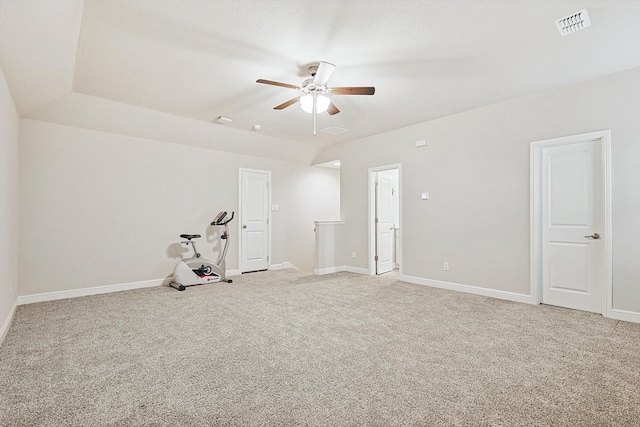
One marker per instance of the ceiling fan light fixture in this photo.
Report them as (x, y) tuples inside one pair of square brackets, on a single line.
[(316, 95), (306, 103), (322, 103)]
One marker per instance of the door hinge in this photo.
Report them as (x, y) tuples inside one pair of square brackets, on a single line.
[(376, 258), (267, 257), (267, 221), (376, 220)]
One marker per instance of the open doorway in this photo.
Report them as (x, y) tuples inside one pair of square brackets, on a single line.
[(385, 219)]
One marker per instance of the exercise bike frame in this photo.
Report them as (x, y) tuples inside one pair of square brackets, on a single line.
[(200, 271)]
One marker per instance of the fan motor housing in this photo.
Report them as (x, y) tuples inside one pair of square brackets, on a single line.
[(308, 87)]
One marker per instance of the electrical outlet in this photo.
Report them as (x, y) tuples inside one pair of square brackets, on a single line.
[(353, 254), (445, 266)]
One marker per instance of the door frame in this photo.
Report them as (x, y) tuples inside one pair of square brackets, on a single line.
[(536, 182), (372, 211), (239, 234)]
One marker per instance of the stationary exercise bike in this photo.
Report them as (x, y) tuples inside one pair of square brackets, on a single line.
[(200, 271)]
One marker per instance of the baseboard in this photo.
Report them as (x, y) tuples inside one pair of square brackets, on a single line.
[(492, 293), (7, 324), (339, 268), (285, 265), (74, 293), (328, 270), (233, 273), (627, 316), (357, 270)]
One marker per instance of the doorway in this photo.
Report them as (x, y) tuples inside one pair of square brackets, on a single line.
[(571, 222), (385, 219), (254, 223)]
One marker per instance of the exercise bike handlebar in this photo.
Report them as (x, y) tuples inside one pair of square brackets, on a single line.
[(221, 221)]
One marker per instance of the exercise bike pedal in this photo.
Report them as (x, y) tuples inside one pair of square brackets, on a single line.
[(177, 286)]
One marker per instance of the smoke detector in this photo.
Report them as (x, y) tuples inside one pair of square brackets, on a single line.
[(573, 23), (222, 120)]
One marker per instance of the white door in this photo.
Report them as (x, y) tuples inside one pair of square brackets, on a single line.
[(385, 236), (254, 220), (573, 257)]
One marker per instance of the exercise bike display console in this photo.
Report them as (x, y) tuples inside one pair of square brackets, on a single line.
[(198, 270)]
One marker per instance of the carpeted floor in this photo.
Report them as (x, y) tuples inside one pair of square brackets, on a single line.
[(285, 348)]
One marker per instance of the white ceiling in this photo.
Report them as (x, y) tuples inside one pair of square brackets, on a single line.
[(200, 59)]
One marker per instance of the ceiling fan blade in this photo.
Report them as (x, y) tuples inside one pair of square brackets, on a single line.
[(353, 90), (332, 109), (286, 104), (271, 82), (323, 73)]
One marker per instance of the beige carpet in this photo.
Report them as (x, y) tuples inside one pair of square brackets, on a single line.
[(286, 348)]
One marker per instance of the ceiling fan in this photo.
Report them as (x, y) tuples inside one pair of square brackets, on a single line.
[(316, 95)]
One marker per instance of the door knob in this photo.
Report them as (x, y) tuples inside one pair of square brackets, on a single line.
[(594, 236), (244, 226)]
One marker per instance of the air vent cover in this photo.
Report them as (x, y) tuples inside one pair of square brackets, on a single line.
[(574, 22), (334, 130)]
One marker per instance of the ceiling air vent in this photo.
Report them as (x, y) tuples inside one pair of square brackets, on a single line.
[(334, 130), (573, 23)]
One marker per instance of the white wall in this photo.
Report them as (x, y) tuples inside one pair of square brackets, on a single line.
[(476, 169), (329, 249), (102, 209), (8, 205)]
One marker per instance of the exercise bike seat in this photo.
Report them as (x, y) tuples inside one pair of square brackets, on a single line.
[(190, 236)]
